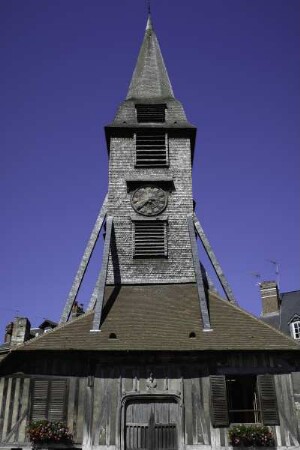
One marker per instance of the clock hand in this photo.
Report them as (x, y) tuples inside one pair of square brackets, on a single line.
[(141, 203)]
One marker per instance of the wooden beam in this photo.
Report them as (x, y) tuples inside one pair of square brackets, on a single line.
[(212, 257), (211, 285), (98, 294), (84, 263), (198, 275)]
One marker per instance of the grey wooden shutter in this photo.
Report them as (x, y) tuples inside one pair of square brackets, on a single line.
[(267, 399), (57, 400), (39, 399), (218, 399), (49, 400)]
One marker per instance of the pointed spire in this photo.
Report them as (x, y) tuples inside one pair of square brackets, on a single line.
[(150, 79), (149, 21), (149, 25)]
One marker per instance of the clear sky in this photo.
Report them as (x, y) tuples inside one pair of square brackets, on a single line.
[(65, 67)]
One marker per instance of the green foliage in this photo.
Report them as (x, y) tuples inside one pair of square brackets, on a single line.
[(44, 431), (251, 436)]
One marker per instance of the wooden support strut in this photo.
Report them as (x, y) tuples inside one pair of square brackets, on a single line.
[(198, 275), (98, 293), (212, 257), (84, 263)]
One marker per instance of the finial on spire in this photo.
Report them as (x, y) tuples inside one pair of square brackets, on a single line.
[(149, 21), (148, 7)]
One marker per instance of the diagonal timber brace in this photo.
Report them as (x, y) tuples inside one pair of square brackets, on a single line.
[(198, 275), (84, 263), (212, 257), (98, 294)]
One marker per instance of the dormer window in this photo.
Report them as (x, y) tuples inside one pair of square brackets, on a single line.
[(151, 113), (295, 329)]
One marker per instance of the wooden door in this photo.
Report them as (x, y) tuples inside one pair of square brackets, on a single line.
[(151, 425)]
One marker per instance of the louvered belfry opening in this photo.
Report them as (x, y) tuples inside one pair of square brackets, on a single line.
[(151, 149), (150, 240), (154, 113)]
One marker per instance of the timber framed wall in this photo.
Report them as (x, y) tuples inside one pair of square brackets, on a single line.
[(96, 404)]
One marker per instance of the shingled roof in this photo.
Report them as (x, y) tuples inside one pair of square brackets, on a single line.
[(162, 317), (150, 78)]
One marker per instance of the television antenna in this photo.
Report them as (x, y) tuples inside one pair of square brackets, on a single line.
[(276, 269), (256, 275)]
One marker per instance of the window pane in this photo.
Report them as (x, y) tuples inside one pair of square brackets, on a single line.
[(296, 329)]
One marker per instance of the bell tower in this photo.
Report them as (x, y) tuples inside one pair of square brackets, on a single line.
[(150, 145), (149, 211)]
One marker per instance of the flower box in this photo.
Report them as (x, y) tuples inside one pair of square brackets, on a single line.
[(46, 434), (251, 436)]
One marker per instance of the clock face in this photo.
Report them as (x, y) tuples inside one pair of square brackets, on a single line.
[(149, 200)]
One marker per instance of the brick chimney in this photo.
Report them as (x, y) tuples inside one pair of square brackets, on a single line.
[(20, 331), (269, 297)]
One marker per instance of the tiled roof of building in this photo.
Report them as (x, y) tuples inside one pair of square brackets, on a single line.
[(162, 317)]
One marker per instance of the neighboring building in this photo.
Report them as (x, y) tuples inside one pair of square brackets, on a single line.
[(159, 360), (20, 331), (281, 310)]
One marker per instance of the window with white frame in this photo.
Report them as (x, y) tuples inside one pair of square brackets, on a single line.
[(295, 328)]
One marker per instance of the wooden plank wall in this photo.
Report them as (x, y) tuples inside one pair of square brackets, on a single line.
[(14, 408), (94, 409)]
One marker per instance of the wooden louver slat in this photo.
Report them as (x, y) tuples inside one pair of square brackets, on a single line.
[(218, 396), (57, 400), (151, 150), (268, 400), (150, 239), (39, 400), (151, 113)]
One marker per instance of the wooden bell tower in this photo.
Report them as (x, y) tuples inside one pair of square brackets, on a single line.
[(149, 213)]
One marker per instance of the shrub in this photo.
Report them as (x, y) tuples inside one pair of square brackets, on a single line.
[(44, 431), (251, 435)]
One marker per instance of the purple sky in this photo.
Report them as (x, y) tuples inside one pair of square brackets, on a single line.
[(65, 67)]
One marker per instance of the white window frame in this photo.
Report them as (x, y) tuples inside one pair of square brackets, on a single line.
[(295, 329)]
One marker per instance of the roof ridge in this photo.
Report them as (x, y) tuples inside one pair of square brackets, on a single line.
[(289, 292)]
